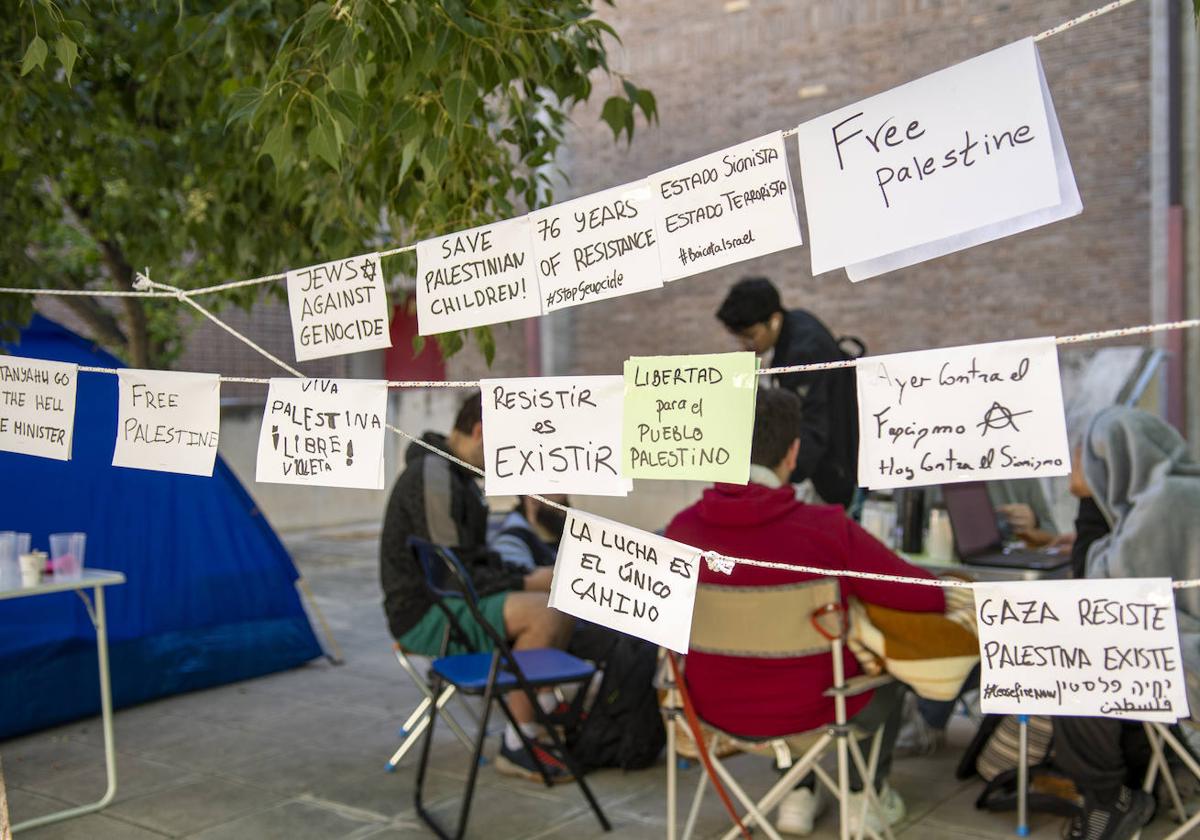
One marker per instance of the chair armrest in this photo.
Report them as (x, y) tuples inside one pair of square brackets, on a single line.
[(859, 685)]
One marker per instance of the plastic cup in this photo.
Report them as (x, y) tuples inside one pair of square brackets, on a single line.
[(940, 544), (66, 555), (10, 568), (31, 568)]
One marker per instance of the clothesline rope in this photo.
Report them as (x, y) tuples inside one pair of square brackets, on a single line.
[(1101, 335), (270, 278)]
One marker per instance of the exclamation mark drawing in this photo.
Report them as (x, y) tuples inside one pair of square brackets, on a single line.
[(275, 436), (349, 453)]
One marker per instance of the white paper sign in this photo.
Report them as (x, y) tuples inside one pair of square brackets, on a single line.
[(553, 434), (962, 156), (338, 307), (37, 407), (725, 207), (596, 247), (974, 413), (484, 275), (1107, 648), (327, 432), (630, 580), (167, 421)]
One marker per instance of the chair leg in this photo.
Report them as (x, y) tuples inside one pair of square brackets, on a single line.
[(472, 771), (753, 814), (569, 760), (866, 772), (786, 783), (694, 810), (412, 733), (672, 773), (1158, 761)]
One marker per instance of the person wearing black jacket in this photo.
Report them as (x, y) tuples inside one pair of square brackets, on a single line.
[(439, 501), (752, 311)]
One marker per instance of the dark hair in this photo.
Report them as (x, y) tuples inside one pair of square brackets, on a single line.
[(777, 416), (469, 413), (752, 300)]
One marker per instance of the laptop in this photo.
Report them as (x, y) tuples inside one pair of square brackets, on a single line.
[(977, 536)]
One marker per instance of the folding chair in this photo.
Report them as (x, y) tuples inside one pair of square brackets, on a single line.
[(419, 719), (489, 675), (1161, 736), (777, 622)]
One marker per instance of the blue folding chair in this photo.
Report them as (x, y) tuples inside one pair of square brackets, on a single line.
[(490, 675)]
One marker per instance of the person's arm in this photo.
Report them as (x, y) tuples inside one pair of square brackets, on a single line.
[(813, 390), (867, 554)]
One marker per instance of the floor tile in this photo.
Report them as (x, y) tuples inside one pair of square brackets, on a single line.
[(288, 821), (193, 806)]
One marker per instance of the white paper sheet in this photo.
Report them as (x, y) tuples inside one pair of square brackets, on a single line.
[(338, 307), (596, 247), (553, 434), (973, 413), (630, 580), (1107, 648), (326, 432), (958, 153), (1070, 205), (167, 421), (725, 207), (37, 407), (484, 275)]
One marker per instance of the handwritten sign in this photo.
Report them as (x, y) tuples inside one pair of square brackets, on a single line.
[(167, 421), (1106, 648), (630, 580), (37, 407), (553, 434), (484, 275), (689, 417), (974, 413), (596, 247), (338, 307), (962, 156), (725, 207), (326, 432)]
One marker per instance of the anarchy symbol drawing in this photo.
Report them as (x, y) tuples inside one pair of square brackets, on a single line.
[(999, 417), (368, 269)]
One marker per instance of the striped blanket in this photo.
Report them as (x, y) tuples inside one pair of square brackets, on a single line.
[(932, 653)]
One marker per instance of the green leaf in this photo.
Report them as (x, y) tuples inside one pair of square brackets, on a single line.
[(617, 112), (460, 94), (407, 156), (35, 55), (67, 51), (322, 143), (277, 146), (243, 104)]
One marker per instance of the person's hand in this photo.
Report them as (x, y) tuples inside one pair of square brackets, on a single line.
[(1063, 543), (1020, 517), (539, 579)]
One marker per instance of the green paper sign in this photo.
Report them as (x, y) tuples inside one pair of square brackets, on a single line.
[(690, 417)]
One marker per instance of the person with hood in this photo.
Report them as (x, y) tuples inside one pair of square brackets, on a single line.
[(763, 520), (828, 425), (439, 501), (1137, 471)]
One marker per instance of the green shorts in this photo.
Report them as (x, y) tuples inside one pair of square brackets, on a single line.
[(426, 635)]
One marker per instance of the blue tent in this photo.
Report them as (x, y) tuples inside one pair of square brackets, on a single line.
[(210, 596)]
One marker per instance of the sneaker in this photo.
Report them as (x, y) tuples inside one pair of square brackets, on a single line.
[(890, 804), (799, 810), (1121, 820), (518, 762)]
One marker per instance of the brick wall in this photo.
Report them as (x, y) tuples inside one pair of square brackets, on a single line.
[(721, 77)]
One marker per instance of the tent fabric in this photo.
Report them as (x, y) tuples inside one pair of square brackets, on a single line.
[(210, 594)]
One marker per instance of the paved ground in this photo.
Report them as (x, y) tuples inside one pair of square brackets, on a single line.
[(300, 755)]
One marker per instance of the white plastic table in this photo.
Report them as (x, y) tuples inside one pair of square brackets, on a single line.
[(95, 580)]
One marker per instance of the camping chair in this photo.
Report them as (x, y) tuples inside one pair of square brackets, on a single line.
[(773, 622), (1160, 736), (419, 719), (490, 675)]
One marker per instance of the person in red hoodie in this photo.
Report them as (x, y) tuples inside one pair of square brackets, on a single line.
[(763, 520)]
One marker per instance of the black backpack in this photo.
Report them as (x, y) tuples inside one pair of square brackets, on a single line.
[(623, 728)]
